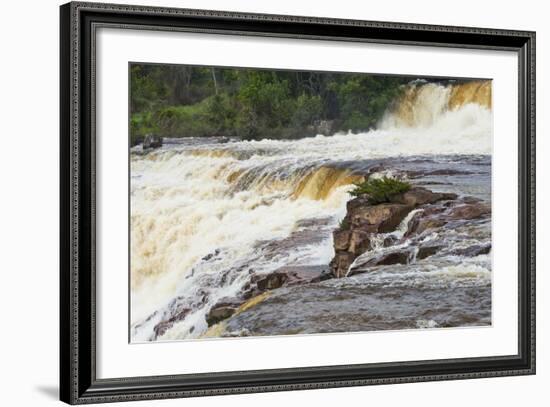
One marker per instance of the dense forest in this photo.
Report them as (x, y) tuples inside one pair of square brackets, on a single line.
[(185, 101)]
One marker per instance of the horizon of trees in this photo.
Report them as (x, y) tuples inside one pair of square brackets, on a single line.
[(186, 101)]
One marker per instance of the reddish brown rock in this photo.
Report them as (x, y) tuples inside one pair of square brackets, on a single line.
[(163, 326), (297, 275), (473, 251), (470, 199), (219, 314), (379, 218), (284, 276), (271, 281), (359, 242), (356, 203), (431, 217), (363, 219), (421, 196), (429, 223), (469, 211), (341, 262), (341, 239), (393, 257)]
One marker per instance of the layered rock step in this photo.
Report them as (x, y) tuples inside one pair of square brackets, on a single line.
[(365, 221)]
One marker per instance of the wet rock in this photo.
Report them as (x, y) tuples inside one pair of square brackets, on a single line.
[(151, 141), (355, 203), (341, 262), (250, 291), (470, 199), (389, 241), (399, 257), (341, 239), (472, 251), (223, 309), (427, 251), (413, 223), (388, 258), (326, 274), (432, 183), (380, 218), (364, 219), (428, 219), (210, 256), (163, 326), (296, 275), (271, 281), (260, 283), (448, 171), (421, 196), (469, 211), (429, 223), (359, 242)]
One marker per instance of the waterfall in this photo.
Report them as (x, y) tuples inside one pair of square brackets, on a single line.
[(424, 104), (202, 212)]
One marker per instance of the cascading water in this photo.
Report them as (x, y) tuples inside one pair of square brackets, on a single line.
[(205, 213)]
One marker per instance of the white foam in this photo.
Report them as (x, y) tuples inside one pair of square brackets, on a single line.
[(183, 207)]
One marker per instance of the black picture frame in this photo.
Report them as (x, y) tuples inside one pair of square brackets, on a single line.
[(78, 381)]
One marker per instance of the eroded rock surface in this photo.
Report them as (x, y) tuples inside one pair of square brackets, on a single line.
[(365, 221)]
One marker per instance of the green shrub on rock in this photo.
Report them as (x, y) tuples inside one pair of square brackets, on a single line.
[(380, 190)]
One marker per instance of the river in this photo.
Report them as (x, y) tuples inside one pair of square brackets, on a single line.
[(208, 213)]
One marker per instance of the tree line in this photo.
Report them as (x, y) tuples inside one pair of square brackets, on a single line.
[(185, 101)]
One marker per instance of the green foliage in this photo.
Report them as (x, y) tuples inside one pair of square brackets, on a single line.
[(221, 114), (380, 190), (185, 120), (140, 125), (266, 96), (363, 99), (147, 90), (307, 109), (183, 101)]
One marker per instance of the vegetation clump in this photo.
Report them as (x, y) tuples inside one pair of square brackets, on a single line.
[(188, 101), (380, 190)]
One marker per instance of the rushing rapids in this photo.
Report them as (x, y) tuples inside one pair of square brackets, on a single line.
[(207, 215)]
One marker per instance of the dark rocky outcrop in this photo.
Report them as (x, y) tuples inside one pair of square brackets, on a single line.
[(398, 256), (469, 211), (163, 326), (420, 196), (259, 284), (472, 251), (284, 277), (151, 141), (364, 219), (378, 218), (354, 237), (421, 223), (223, 309), (427, 251), (271, 281), (296, 275)]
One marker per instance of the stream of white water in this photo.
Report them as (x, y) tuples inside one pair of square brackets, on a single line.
[(202, 210)]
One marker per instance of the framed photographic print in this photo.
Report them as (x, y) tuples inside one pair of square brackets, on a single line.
[(255, 203)]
